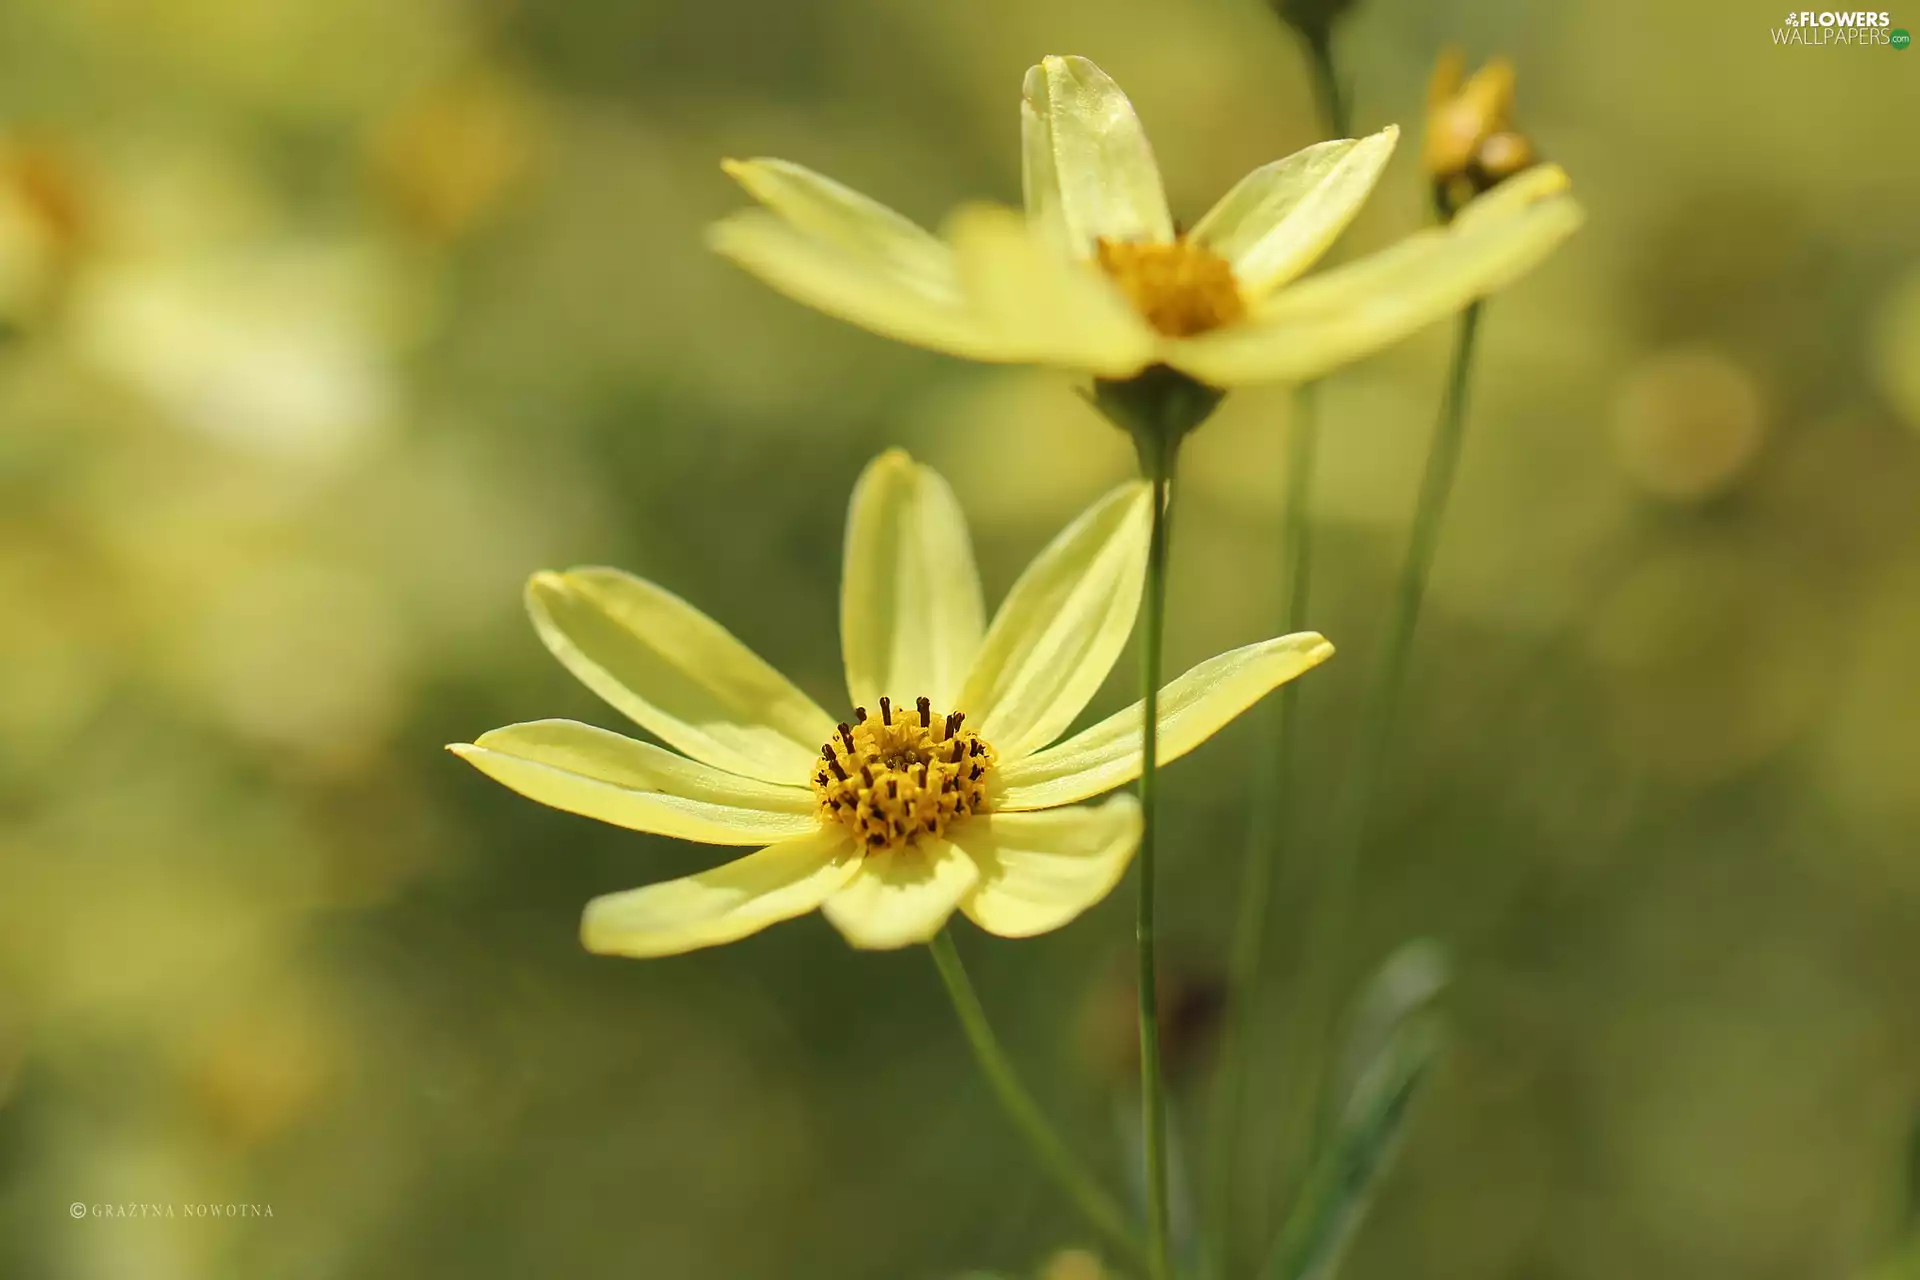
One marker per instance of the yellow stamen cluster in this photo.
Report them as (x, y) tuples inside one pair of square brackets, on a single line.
[(903, 774), (1181, 288)]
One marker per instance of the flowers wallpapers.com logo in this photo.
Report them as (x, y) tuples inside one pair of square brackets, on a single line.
[(1829, 28)]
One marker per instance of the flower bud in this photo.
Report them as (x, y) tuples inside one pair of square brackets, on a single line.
[(1472, 145)]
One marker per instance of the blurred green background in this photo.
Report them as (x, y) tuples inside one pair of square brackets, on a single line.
[(324, 325)]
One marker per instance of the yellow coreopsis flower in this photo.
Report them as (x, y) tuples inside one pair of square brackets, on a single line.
[(939, 791), (1097, 278)]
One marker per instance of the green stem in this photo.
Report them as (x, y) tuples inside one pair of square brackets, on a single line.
[(1157, 461), (1443, 459), (1080, 1186), (1381, 710), (1327, 89), (1265, 835)]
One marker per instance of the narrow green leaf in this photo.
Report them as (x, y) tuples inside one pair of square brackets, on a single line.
[(1406, 984), (1393, 1045)]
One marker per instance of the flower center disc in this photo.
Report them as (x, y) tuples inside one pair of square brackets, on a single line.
[(1181, 288), (901, 775)]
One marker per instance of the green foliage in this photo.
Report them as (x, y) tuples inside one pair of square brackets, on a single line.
[(1392, 1047)]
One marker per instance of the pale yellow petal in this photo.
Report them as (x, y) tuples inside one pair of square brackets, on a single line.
[(722, 905), (1193, 708), (1047, 307), (854, 287), (1340, 316), (677, 673), (1515, 195), (837, 215), (1089, 171), (902, 896), (911, 615), (1040, 870), (1061, 627), (1040, 174), (612, 778), (1279, 219)]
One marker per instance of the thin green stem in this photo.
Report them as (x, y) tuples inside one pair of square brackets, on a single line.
[(1054, 1155), (1157, 407), (1273, 797), (1334, 102), (1381, 710), (1443, 459), (1157, 460)]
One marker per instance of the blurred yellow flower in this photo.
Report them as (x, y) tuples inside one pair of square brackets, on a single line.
[(448, 159), (937, 795), (1097, 278), (1471, 145), (44, 226)]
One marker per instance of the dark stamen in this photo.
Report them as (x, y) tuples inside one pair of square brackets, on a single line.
[(846, 736), (886, 710), (926, 710), (893, 788), (860, 715), (977, 771), (838, 772), (953, 722), (866, 776), (974, 748)]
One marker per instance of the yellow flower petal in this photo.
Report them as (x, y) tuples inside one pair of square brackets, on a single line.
[(1061, 627), (910, 608), (1279, 219), (1352, 311), (825, 210), (1193, 708), (1040, 870), (602, 775), (854, 287), (677, 673), (1515, 195), (724, 904), (1089, 172), (1041, 305), (902, 896)]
